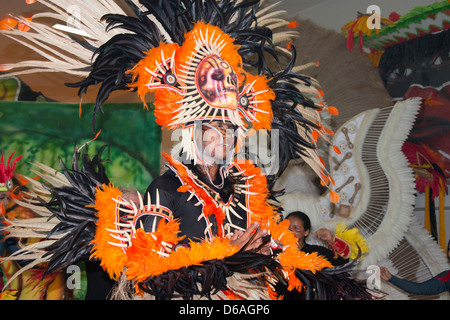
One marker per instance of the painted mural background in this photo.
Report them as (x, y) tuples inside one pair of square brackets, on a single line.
[(46, 131)]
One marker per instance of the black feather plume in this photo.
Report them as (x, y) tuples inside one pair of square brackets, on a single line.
[(73, 207)]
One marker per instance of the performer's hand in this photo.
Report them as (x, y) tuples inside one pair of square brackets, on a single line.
[(240, 238), (325, 235), (130, 194), (385, 274)]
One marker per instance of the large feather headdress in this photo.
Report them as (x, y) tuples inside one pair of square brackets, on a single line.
[(169, 48)]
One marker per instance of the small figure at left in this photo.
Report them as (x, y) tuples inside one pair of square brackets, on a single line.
[(28, 285)]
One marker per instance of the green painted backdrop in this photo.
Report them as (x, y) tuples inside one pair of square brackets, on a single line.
[(43, 131)]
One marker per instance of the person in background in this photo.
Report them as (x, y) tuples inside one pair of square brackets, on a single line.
[(300, 225), (438, 284)]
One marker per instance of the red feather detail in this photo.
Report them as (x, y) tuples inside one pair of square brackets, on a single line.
[(6, 172)]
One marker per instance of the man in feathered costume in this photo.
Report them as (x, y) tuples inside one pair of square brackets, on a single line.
[(209, 226)]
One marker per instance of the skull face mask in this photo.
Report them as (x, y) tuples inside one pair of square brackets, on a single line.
[(208, 84), (217, 82)]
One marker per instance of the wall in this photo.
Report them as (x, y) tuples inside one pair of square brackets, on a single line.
[(333, 14)]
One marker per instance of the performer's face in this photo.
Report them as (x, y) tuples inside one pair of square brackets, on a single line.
[(296, 226), (218, 140)]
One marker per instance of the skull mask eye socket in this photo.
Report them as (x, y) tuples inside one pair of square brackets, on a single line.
[(217, 82)]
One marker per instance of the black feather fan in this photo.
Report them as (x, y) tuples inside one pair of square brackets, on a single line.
[(72, 206)]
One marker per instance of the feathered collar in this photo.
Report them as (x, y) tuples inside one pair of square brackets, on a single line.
[(250, 194)]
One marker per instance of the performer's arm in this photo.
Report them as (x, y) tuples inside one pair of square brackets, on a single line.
[(432, 286)]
